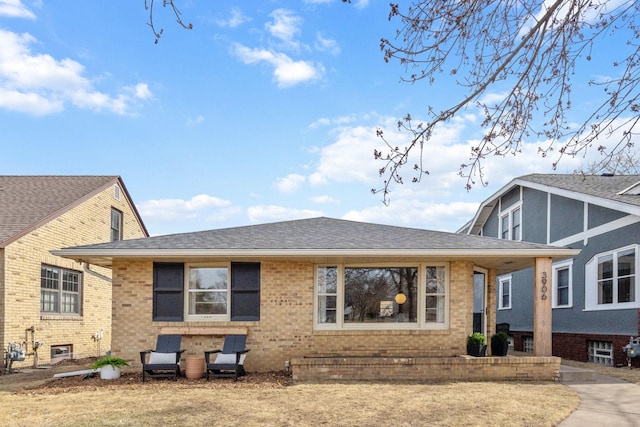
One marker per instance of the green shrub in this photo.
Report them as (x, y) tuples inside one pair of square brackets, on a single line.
[(500, 337), (114, 361), (477, 338)]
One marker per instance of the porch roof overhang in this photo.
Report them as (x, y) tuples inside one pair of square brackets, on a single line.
[(501, 260)]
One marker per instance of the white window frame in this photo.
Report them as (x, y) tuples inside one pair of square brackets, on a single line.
[(206, 317), (600, 352), (591, 282), (508, 214), (564, 265), (502, 281), (421, 322)]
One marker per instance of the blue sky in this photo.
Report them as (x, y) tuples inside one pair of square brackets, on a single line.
[(265, 111)]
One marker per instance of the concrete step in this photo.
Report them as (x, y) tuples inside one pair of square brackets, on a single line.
[(571, 374)]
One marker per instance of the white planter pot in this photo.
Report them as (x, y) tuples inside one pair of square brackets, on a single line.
[(109, 372)]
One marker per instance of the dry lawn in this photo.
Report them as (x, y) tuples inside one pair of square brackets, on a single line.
[(260, 400), (626, 374)]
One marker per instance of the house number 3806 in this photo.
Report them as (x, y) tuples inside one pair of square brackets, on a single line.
[(544, 285)]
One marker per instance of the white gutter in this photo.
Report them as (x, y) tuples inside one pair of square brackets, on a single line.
[(475, 252)]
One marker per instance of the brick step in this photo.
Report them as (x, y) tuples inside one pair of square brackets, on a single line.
[(572, 374)]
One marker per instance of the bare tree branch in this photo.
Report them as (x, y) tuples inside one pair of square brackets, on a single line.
[(531, 47), (149, 4)]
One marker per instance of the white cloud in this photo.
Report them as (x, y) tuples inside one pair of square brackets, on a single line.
[(271, 213), (323, 199), (286, 71), (194, 121), (202, 206), (15, 9), (236, 19), (360, 4), (327, 45), (285, 27), (290, 183), (349, 158), (39, 84), (415, 212)]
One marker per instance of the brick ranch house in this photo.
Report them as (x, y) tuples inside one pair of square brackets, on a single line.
[(331, 299), (51, 303)]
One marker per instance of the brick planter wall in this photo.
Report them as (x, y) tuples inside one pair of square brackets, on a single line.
[(463, 368)]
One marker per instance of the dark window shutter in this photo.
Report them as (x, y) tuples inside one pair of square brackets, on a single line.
[(245, 291), (168, 291)]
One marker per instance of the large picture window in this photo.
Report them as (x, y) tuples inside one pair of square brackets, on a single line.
[(60, 290), (381, 297), (610, 280)]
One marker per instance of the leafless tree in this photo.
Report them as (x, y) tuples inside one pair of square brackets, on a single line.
[(530, 47), (157, 32)]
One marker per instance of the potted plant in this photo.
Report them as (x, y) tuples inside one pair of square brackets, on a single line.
[(499, 344), (109, 367), (476, 344)]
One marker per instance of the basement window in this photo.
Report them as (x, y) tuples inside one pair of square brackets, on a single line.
[(601, 352), (61, 352)]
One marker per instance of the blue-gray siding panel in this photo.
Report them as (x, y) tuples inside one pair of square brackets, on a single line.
[(567, 217), (534, 216), (520, 316), (599, 215), (575, 319), (511, 198), (490, 228)]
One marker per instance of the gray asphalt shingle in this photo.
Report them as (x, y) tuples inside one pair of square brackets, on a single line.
[(26, 201), (316, 233)]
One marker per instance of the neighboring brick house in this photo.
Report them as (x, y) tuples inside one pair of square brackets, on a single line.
[(55, 304), (308, 288), (596, 294)]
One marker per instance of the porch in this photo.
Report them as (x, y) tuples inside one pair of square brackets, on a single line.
[(418, 369)]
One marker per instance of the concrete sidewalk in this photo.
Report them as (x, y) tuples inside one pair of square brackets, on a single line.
[(604, 401)]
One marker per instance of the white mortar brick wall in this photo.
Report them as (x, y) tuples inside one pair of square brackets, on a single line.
[(285, 329), (87, 223)]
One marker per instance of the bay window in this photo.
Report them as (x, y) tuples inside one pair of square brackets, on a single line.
[(381, 297)]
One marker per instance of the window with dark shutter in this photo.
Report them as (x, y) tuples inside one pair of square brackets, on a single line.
[(168, 291), (245, 291)]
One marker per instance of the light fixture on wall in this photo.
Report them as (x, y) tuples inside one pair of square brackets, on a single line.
[(400, 298)]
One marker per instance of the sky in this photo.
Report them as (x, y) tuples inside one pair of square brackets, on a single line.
[(265, 111)]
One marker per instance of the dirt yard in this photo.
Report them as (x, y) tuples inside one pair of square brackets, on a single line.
[(33, 398)]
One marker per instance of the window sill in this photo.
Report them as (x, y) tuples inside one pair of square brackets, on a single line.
[(60, 317), (611, 307), (204, 330), (359, 331)]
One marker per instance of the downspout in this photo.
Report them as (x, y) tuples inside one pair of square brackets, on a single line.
[(88, 270)]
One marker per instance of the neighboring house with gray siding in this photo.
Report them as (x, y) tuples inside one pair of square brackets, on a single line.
[(595, 294)]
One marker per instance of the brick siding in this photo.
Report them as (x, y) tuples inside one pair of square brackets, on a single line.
[(86, 223), (576, 346), (285, 330)]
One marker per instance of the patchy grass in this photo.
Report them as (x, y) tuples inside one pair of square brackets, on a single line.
[(270, 399)]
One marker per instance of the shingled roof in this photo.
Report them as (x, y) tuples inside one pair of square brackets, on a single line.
[(621, 192), (28, 202), (310, 238)]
